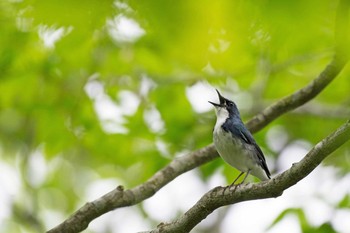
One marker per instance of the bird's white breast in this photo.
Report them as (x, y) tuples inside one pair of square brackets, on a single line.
[(231, 150)]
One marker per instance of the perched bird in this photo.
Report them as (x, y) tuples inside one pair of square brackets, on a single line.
[(235, 144)]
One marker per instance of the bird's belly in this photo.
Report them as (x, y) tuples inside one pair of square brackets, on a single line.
[(233, 151)]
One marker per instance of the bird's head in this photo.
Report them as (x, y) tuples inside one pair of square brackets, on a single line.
[(226, 106)]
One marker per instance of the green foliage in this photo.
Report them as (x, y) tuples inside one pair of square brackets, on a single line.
[(265, 50), (304, 224), (345, 202)]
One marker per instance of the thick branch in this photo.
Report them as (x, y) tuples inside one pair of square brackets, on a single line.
[(221, 196), (120, 198)]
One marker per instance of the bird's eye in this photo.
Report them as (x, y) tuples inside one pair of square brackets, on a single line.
[(229, 103)]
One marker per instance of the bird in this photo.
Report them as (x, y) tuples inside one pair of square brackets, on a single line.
[(234, 142)]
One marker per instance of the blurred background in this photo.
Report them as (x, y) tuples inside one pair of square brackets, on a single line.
[(96, 94)]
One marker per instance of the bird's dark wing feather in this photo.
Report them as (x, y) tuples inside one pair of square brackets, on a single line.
[(238, 130)]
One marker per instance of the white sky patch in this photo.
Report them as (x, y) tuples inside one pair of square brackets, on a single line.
[(201, 92), (323, 214), (123, 220), (198, 96), (341, 221), (94, 88), (328, 189), (130, 217), (9, 188), (328, 179), (162, 148), (100, 187), (129, 102), (111, 114), (171, 199), (240, 216), (154, 120), (50, 35), (217, 178), (52, 218), (292, 153), (146, 85), (124, 29), (37, 171), (276, 138)]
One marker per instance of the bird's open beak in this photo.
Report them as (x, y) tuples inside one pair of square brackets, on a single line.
[(215, 104), (221, 98)]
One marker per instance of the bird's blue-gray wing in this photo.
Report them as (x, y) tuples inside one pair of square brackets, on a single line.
[(241, 132), (250, 140)]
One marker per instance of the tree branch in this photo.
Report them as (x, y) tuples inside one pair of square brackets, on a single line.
[(222, 196), (119, 197), (299, 97)]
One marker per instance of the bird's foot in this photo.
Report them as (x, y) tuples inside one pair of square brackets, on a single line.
[(229, 187)]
